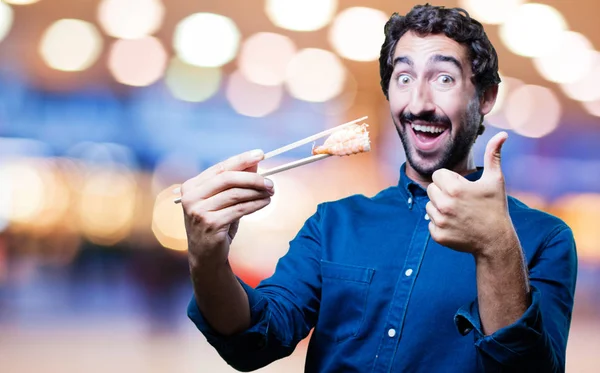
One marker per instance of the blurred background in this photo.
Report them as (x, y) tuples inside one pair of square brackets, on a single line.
[(107, 105)]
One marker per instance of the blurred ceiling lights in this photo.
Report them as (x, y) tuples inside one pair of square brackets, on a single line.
[(301, 15), (492, 12), (167, 221), (533, 39), (206, 39), (592, 107), (21, 2), (138, 62), (251, 99), (533, 111), (6, 19), (358, 43), (588, 87), (107, 204), (497, 117), (131, 19), (70, 45), (570, 61), (265, 56), (315, 75), (192, 83)]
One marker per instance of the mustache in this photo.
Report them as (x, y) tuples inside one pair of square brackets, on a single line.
[(428, 117)]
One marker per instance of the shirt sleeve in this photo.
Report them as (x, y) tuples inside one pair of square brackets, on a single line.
[(537, 341), (283, 308)]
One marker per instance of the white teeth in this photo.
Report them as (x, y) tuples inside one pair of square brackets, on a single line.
[(432, 129)]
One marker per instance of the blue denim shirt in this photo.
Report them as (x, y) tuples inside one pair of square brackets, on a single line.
[(382, 296)]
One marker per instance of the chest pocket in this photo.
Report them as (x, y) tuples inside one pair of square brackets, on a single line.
[(344, 293)]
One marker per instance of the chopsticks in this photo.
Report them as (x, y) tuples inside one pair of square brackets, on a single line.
[(303, 161)]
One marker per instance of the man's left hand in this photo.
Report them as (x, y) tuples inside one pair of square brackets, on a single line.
[(471, 216)]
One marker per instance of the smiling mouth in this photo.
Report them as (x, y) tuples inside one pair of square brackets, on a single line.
[(427, 136)]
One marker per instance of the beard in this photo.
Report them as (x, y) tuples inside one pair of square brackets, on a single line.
[(458, 146)]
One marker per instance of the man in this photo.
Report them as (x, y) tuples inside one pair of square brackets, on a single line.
[(441, 273)]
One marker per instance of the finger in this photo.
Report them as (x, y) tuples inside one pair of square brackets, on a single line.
[(435, 194), (240, 162), (435, 216), (233, 197), (448, 181), (225, 181), (230, 214), (493, 154)]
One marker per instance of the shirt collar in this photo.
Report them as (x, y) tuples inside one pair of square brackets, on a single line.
[(412, 190)]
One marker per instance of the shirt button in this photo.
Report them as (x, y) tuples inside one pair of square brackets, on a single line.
[(408, 272), (409, 200), (426, 217), (391, 333)]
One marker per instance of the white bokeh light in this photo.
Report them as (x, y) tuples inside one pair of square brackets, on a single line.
[(138, 62), (6, 19), (490, 11), (315, 75), (264, 58), (592, 107), (361, 43), (206, 39), (533, 111), (71, 45), (192, 83), (533, 29), (130, 19), (301, 15), (571, 61), (587, 88), (251, 99)]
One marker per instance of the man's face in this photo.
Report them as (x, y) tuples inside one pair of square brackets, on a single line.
[(433, 102)]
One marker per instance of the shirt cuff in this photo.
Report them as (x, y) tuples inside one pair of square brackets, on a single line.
[(510, 343), (253, 338)]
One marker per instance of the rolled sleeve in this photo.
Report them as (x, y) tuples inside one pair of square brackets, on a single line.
[(252, 339), (509, 344)]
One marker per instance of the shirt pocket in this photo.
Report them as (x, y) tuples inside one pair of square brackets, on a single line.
[(344, 293)]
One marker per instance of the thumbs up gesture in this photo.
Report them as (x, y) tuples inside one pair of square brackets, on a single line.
[(471, 216)]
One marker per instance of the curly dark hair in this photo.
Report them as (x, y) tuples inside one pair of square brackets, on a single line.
[(456, 24)]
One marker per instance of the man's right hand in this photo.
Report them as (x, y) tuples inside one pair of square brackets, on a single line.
[(215, 200)]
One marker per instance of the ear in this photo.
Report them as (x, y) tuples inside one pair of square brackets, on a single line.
[(488, 99)]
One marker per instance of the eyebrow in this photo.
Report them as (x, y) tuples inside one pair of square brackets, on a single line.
[(434, 59)]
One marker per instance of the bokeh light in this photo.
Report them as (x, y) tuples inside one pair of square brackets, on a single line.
[(592, 107), (130, 19), (265, 56), (6, 19), (251, 99), (533, 111), (496, 117), (192, 83), (587, 88), (315, 75), (490, 11), (20, 2), (206, 39), (167, 221), (582, 213), (71, 45), (138, 62), (529, 38), (357, 33), (572, 60), (301, 15), (107, 203)]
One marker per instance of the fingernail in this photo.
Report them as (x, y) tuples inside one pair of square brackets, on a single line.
[(177, 190), (258, 153), (269, 183)]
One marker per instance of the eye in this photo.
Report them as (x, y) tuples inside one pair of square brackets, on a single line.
[(445, 79), (404, 79)]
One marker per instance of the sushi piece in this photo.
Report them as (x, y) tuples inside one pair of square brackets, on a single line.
[(347, 141)]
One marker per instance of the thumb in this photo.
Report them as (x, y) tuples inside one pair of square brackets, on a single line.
[(492, 155)]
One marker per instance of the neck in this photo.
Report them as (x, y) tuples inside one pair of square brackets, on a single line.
[(463, 168)]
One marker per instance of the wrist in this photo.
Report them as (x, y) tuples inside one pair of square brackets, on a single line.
[(503, 246)]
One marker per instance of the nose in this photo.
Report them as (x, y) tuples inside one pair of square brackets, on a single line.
[(421, 100)]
